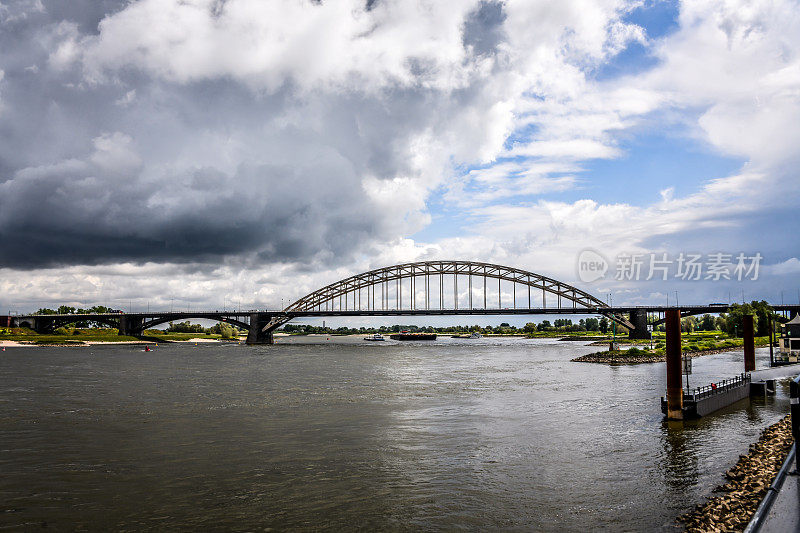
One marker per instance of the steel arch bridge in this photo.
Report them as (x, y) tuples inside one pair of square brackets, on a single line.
[(421, 288), (432, 287)]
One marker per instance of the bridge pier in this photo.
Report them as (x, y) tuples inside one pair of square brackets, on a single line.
[(257, 335), (131, 326), (42, 324), (639, 320)]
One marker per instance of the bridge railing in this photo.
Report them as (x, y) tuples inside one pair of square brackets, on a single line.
[(719, 387)]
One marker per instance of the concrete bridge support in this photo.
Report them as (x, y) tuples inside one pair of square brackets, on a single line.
[(41, 324), (639, 321), (257, 335), (131, 326)]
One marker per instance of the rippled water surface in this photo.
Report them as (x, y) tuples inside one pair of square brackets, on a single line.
[(341, 434)]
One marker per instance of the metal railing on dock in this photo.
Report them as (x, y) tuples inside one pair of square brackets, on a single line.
[(718, 388), (794, 410)]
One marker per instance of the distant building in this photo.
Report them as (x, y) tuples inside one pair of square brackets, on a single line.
[(5, 321), (789, 341)]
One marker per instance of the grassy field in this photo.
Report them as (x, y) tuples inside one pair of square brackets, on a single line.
[(561, 334), (696, 342), (690, 344), (78, 336)]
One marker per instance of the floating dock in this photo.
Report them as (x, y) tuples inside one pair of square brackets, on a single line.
[(705, 400)]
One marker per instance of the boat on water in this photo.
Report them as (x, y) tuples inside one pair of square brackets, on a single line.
[(406, 336), (475, 335), (375, 337)]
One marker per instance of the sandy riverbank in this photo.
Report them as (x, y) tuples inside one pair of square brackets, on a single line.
[(71, 344), (11, 344)]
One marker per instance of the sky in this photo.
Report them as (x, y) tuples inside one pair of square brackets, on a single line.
[(239, 153)]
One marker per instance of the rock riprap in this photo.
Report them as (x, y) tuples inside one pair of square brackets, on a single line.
[(747, 484)]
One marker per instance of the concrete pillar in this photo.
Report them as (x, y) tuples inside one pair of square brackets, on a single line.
[(256, 335), (674, 370), (638, 318), (749, 343), (43, 324), (123, 325)]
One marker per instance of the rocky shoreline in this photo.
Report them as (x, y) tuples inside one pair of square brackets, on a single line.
[(623, 358), (747, 484)]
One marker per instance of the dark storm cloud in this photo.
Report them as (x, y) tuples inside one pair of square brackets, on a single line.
[(65, 214), (86, 13), (137, 168), (483, 30)]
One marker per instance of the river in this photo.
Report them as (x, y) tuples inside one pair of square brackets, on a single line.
[(340, 434)]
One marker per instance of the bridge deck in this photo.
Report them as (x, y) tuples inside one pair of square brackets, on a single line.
[(696, 309)]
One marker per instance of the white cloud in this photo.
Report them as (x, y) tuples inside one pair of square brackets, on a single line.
[(126, 99), (730, 74), (330, 124), (315, 45), (790, 266), (19, 10)]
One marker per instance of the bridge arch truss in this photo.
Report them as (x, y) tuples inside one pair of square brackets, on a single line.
[(434, 285)]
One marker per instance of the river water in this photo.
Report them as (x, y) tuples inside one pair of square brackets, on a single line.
[(341, 434)]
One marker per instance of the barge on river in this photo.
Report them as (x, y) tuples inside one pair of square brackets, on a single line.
[(406, 336)]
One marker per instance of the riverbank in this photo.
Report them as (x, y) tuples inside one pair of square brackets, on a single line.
[(10, 344), (635, 356), (747, 484), (69, 343)]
